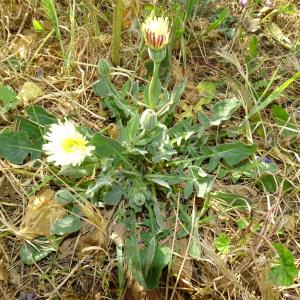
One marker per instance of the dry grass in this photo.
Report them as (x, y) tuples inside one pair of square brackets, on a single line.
[(241, 273)]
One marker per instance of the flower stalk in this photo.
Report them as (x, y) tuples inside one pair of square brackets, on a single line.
[(153, 85), (157, 34)]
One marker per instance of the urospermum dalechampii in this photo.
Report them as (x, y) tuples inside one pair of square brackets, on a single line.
[(156, 31), (66, 146)]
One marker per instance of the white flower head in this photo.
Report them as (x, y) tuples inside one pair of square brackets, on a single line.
[(156, 31), (66, 146)]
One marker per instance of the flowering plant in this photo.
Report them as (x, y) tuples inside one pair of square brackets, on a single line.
[(154, 163)]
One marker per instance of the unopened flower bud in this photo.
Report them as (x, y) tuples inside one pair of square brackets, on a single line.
[(104, 67), (156, 32), (148, 119)]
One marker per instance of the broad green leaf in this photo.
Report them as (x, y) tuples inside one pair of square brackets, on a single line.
[(107, 147), (8, 98), (223, 110), (101, 88), (222, 243), (66, 225), (34, 132), (114, 195), (232, 154), (16, 146), (285, 270), (40, 116), (64, 196), (36, 250), (268, 182)]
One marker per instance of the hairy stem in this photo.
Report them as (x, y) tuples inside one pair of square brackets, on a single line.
[(153, 84)]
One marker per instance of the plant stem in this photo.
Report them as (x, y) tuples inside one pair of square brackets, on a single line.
[(117, 27), (153, 84)]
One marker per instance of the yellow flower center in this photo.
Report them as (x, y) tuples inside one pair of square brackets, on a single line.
[(74, 144)]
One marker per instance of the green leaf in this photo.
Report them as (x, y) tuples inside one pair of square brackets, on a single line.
[(102, 181), (207, 91), (253, 47), (84, 170), (134, 260), (8, 97), (34, 132), (114, 195), (195, 246), (169, 107), (161, 259), (16, 146), (283, 119), (101, 88), (149, 256), (214, 25), (132, 128), (268, 182), (107, 147), (40, 116), (64, 196), (222, 243), (196, 180), (223, 110), (232, 154), (66, 225), (285, 270), (36, 250)]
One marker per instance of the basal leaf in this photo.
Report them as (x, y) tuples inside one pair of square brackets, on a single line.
[(84, 170), (66, 225), (223, 111), (114, 195), (36, 251), (16, 146), (161, 259), (8, 97), (107, 147), (132, 128), (232, 154), (285, 270), (134, 260), (40, 116)]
